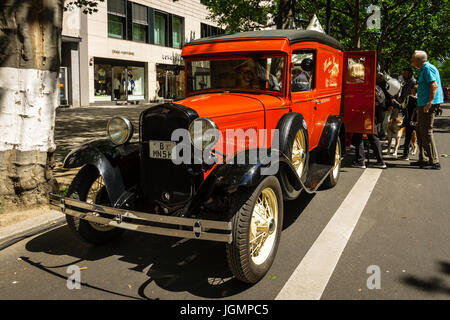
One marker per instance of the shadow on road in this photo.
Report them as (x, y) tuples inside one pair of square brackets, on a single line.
[(442, 125), (39, 266), (431, 284), (197, 267), (293, 209)]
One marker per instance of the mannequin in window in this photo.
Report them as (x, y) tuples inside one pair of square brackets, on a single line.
[(131, 83), (116, 89)]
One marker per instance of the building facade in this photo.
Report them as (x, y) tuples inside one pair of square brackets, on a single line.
[(129, 50)]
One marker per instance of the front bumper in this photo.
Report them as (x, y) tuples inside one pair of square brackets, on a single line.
[(219, 231)]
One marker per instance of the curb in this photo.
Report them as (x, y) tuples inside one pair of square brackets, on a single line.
[(30, 226)]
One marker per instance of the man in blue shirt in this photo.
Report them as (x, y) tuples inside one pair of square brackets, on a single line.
[(429, 97)]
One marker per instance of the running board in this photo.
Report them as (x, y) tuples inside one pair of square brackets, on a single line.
[(317, 173)]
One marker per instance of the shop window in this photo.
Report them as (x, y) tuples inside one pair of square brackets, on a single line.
[(136, 83), (116, 19), (177, 32), (302, 73), (169, 82), (160, 28), (102, 82), (120, 83), (140, 22)]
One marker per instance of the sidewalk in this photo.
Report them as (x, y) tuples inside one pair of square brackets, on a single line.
[(76, 126), (73, 127)]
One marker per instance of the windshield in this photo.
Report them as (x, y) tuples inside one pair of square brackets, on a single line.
[(247, 73)]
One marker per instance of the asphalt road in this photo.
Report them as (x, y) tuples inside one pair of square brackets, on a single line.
[(403, 231)]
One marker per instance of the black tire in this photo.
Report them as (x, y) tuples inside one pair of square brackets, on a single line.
[(288, 128), (238, 252), (333, 177), (82, 228)]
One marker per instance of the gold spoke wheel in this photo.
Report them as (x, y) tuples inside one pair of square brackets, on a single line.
[(263, 226), (299, 152), (92, 197)]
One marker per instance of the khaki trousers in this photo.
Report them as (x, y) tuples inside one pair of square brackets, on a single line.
[(425, 139)]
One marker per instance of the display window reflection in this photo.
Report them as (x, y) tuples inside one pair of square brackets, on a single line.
[(102, 82)]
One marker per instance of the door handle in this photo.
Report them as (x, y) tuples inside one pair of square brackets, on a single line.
[(317, 102)]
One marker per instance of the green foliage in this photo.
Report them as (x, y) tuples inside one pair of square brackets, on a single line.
[(240, 15), (64, 191), (444, 70), (406, 25), (88, 7)]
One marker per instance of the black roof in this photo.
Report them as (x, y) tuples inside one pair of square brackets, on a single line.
[(293, 36)]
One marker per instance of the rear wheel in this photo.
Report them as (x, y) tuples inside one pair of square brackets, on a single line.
[(333, 177), (89, 186), (257, 222), (299, 151)]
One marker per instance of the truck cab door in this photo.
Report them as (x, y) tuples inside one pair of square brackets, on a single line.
[(358, 108), (304, 92)]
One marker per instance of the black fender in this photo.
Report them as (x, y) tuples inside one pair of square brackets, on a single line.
[(114, 163), (333, 130), (285, 124), (230, 175), (228, 178), (288, 126)]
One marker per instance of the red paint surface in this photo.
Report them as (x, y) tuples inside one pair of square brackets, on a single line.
[(263, 111)]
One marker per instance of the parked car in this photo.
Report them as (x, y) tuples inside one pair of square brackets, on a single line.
[(297, 90)]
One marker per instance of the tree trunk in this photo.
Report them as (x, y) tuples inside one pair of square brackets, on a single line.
[(30, 35), (356, 20), (285, 14)]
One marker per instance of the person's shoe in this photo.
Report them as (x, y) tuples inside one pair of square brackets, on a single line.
[(436, 166), (380, 165), (360, 165), (406, 158), (418, 163)]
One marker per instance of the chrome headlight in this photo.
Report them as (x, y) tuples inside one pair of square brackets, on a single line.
[(120, 130), (203, 132)]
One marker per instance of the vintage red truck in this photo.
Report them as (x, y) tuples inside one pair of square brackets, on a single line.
[(298, 91)]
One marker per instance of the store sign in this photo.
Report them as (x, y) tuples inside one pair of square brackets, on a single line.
[(175, 58), (130, 53)]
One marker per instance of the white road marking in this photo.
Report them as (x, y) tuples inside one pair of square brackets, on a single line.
[(311, 276)]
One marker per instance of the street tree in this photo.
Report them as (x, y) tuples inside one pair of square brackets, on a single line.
[(236, 15), (30, 43), (444, 70), (404, 25)]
